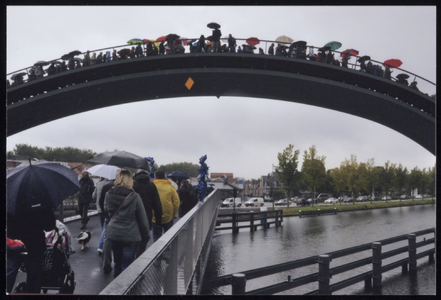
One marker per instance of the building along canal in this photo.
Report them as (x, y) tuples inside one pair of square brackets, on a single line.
[(299, 238)]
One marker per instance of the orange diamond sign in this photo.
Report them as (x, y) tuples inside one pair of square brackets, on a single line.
[(189, 83)]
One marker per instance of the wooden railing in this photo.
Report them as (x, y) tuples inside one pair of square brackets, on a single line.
[(249, 220)]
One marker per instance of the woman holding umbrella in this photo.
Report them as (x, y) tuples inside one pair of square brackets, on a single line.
[(127, 222)]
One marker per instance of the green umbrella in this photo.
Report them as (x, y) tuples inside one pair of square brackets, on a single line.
[(135, 42), (333, 45)]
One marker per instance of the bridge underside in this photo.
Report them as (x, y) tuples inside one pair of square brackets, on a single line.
[(221, 82)]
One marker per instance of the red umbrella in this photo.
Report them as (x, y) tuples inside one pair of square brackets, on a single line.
[(350, 52), (392, 63), (183, 40), (252, 41), (161, 39), (147, 41)]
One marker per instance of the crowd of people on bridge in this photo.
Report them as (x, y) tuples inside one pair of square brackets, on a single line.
[(173, 44)]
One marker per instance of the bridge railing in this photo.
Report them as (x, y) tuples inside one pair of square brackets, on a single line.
[(175, 263), (308, 53), (381, 252)]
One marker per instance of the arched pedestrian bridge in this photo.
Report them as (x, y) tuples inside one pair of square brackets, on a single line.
[(375, 98)]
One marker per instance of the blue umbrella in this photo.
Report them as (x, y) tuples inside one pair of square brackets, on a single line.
[(33, 185)]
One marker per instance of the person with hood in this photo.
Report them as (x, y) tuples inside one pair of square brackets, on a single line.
[(86, 60), (169, 202), (150, 199), (187, 197), (201, 44), (216, 40), (271, 49), (138, 51), (161, 48), (231, 44), (96, 197), (127, 223), (87, 187)]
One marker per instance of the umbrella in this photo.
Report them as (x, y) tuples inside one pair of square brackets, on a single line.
[(75, 52), (364, 58), (41, 63), (66, 57), (105, 171), (284, 39), (16, 75), (172, 36), (350, 52), (135, 42), (120, 159), (55, 62), (31, 186), (213, 25), (392, 63), (161, 39), (148, 41), (178, 175), (300, 43), (253, 41), (78, 59), (333, 45), (402, 76), (124, 52)]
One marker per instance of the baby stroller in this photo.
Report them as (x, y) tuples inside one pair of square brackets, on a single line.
[(56, 273)]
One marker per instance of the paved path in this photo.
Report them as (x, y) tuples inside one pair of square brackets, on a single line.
[(89, 276)]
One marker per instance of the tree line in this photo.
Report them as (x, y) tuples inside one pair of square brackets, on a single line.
[(351, 178)]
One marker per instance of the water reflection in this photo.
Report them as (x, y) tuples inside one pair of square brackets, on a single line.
[(304, 237)]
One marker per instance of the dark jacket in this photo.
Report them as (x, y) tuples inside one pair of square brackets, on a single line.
[(29, 228), (104, 189), (149, 196), (216, 35), (129, 223), (188, 199), (86, 190)]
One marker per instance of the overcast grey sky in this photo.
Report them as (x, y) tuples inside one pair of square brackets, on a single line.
[(239, 135)]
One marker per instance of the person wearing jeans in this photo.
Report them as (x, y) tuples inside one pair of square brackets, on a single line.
[(126, 221)]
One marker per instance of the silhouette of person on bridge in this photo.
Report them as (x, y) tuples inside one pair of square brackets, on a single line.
[(231, 44), (271, 49), (216, 39)]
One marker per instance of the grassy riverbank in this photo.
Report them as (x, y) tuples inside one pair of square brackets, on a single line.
[(294, 210)]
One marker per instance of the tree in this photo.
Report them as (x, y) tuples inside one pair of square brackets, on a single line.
[(387, 177), (371, 176), (67, 154), (354, 175), (313, 170), (192, 170), (431, 173), (338, 181), (400, 178), (415, 178), (287, 168)]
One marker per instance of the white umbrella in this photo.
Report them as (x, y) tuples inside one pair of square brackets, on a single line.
[(284, 39), (106, 171)]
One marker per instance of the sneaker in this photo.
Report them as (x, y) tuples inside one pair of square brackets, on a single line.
[(100, 252)]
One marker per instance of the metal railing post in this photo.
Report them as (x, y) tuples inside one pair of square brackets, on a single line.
[(376, 264), (412, 252), (235, 229), (238, 283), (252, 222), (324, 275)]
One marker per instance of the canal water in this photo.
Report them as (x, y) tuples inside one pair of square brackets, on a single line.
[(299, 238)]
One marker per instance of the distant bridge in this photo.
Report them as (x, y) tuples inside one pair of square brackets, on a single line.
[(347, 90)]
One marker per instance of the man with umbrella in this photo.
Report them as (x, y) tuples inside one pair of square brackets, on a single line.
[(216, 39), (85, 197)]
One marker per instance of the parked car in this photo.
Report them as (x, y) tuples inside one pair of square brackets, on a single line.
[(254, 202), (362, 199), (420, 197), (323, 196), (302, 202), (331, 201), (374, 198), (348, 200), (229, 202), (404, 197), (386, 198), (310, 200), (268, 199), (282, 202)]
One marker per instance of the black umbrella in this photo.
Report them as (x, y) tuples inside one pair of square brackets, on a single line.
[(178, 175), (75, 52), (66, 57), (31, 186), (299, 43), (17, 75), (402, 76), (323, 49), (363, 58), (120, 159), (172, 36), (124, 52), (213, 25), (41, 63)]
